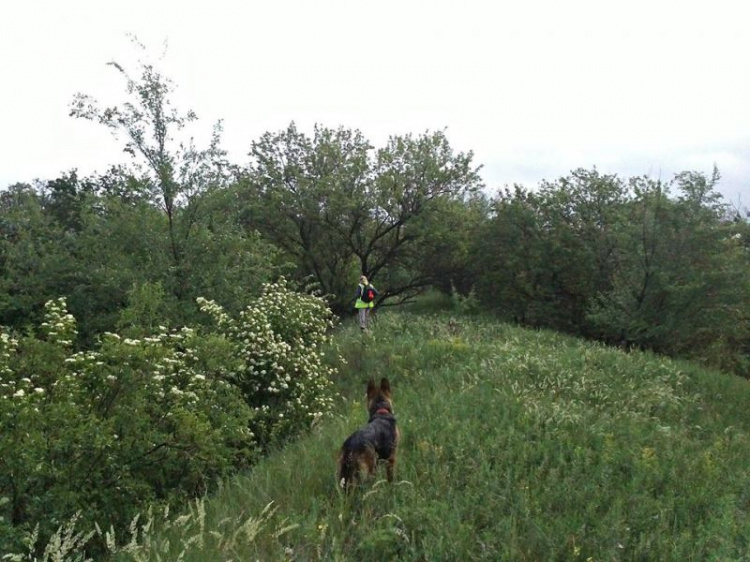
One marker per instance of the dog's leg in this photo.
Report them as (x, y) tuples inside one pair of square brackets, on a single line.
[(369, 462), (349, 467), (390, 467)]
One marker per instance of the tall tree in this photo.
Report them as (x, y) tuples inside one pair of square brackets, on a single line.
[(34, 256), (680, 282), (507, 264), (339, 208), (65, 198), (415, 179), (174, 172), (448, 232), (309, 196), (551, 249)]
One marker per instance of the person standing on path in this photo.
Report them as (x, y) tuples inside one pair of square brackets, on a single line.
[(366, 294)]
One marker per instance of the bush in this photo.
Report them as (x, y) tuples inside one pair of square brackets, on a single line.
[(108, 431), (98, 436), (276, 359), (464, 304)]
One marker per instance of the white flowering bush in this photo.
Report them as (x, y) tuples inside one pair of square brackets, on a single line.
[(110, 430), (277, 358)]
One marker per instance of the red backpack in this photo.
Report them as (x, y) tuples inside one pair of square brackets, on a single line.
[(368, 294)]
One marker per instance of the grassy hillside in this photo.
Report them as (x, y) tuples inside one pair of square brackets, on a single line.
[(517, 445)]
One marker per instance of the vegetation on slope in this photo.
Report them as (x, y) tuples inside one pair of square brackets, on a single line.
[(517, 445)]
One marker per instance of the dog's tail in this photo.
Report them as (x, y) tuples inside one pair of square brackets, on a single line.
[(347, 469)]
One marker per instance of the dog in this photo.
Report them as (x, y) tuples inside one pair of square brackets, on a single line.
[(375, 441)]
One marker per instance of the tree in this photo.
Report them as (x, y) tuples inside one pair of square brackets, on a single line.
[(507, 257), (580, 216), (61, 238), (339, 209), (552, 250), (174, 172), (65, 199), (448, 232), (306, 195), (35, 256), (680, 282), (414, 179), (207, 254)]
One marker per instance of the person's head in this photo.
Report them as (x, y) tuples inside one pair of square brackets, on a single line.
[(363, 279)]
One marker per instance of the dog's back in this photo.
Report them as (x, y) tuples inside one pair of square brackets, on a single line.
[(375, 441)]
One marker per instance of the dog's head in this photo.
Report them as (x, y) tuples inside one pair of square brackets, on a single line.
[(379, 398)]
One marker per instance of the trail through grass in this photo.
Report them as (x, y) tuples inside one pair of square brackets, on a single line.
[(517, 445)]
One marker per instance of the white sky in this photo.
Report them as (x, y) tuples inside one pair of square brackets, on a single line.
[(535, 88)]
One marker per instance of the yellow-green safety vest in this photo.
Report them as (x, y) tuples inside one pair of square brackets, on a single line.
[(360, 303)]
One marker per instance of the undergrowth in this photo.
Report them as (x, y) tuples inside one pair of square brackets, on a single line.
[(517, 445)]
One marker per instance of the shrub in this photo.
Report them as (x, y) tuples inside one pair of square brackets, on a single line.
[(95, 437), (464, 304), (276, 359), (107, 431)]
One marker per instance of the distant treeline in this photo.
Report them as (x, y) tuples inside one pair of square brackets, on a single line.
[(624, 261)]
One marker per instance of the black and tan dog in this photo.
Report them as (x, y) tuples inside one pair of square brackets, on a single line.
[(376, 441)]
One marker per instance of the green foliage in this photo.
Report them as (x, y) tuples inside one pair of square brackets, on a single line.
[(339, 208), (35, 256), (417, 186), (517, 445), (150, 418), (92, 264), (309, 195), (198, 252), (117, 253), (545, 253), (622, 262), (120, 247), (144, 311), (173, 171), (447, 232), (275, 356), (223, 262), (679, 285), (464, 305), (507, 258), (107, 431), (67, 199)]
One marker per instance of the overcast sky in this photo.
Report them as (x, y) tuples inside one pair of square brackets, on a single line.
[(533, 88)]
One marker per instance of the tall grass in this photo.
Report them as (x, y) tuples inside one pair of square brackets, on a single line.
[(517, 445)]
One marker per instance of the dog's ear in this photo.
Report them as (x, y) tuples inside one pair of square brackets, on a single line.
[(385, 386), (371, 390)]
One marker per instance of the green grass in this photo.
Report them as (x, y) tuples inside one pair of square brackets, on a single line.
[(517, 445)]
